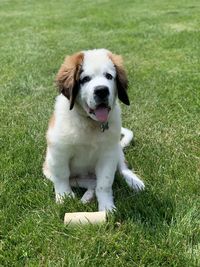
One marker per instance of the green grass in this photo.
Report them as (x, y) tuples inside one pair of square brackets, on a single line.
[(160, 44)]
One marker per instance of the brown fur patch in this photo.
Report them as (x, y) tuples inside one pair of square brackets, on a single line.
[(45, 166), (68, 76), (52, 121), (51, 125), (121, 78)]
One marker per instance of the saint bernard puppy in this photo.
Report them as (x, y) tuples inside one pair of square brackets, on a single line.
[(84, 147)]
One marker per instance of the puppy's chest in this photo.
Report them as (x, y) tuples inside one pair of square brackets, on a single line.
[(84, 159), (89, 149)]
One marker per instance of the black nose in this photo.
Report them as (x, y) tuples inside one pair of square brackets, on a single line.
[(101, 91)]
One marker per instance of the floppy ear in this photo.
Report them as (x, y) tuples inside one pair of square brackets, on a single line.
[(121, 78), (67, 77)]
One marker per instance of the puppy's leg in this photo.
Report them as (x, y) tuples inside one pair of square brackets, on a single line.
[(85, 181), (88, 196), (105, 171), (131, 178), (57, 170)]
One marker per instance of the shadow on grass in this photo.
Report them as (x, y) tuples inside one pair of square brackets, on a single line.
[(148, 208)]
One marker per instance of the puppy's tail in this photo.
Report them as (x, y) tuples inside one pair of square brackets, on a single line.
[(127, 137), (130, 177)]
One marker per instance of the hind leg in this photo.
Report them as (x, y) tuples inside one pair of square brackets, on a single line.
[(88, 182), (133, 180), (88, 196), (130, 177)]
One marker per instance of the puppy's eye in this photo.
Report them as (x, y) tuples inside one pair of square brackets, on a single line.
[(85, 79), (108, 76)]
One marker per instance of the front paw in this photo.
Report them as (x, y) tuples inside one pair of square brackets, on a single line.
[(109, 206), (60, 197)]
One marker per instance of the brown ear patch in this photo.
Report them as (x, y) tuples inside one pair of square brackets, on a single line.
[(67, 77), (121, 78)]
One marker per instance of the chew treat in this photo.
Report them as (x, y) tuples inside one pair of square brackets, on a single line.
[(85, 217)]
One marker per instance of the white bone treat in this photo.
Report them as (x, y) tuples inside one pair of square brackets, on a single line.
[(85, 217)]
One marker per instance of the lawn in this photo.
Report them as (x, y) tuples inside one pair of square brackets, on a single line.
[(159, 41)]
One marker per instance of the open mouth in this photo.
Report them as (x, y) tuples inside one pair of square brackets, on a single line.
[(101, 112)]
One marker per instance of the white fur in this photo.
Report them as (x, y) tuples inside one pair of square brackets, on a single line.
[(127, 137), (78, 153)]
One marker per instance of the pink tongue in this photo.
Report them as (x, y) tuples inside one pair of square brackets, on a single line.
[(101, 113)]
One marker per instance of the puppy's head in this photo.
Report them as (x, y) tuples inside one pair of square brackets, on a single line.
[(93, 79)]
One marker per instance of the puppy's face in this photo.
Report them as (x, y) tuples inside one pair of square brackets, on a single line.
[(97, 80), (93, 79)]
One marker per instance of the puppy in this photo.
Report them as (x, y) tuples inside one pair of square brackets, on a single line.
[(84, 147)]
